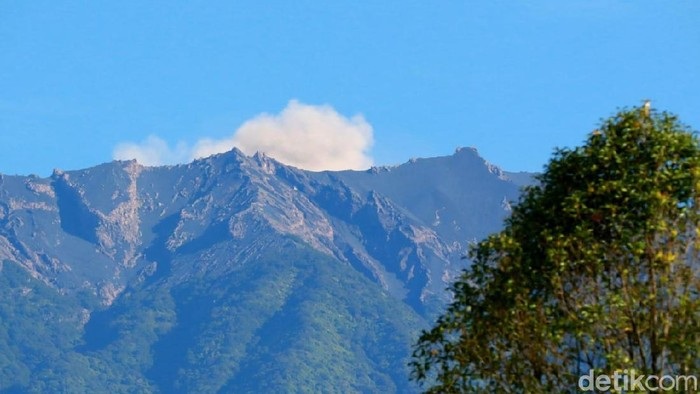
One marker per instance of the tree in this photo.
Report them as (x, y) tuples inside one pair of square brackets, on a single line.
[(596, 269)]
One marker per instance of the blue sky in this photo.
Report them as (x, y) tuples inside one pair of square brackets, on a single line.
[(512, 78)]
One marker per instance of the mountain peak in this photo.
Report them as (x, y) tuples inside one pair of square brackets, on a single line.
[(461, 150)]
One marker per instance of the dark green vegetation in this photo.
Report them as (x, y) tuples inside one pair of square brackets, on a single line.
[(268, 326), (597, 268)]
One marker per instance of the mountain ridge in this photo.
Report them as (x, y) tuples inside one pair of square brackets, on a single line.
[(131, 248)]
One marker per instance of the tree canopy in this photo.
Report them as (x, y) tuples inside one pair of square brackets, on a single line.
[(596, 269)]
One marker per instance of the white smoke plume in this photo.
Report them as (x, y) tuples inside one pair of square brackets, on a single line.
[(152, 151), (306, 136)]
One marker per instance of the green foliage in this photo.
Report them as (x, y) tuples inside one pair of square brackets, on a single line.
[(298, 321), (597, 268), (337, 334), (37, 327), (291, 320)]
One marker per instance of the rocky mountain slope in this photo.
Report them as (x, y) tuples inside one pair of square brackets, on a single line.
[(233, 273)]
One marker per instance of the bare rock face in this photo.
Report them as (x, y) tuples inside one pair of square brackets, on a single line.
[(405, 227), (121, 226)]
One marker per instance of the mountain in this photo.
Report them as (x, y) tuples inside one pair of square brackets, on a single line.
[(233, 273)]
